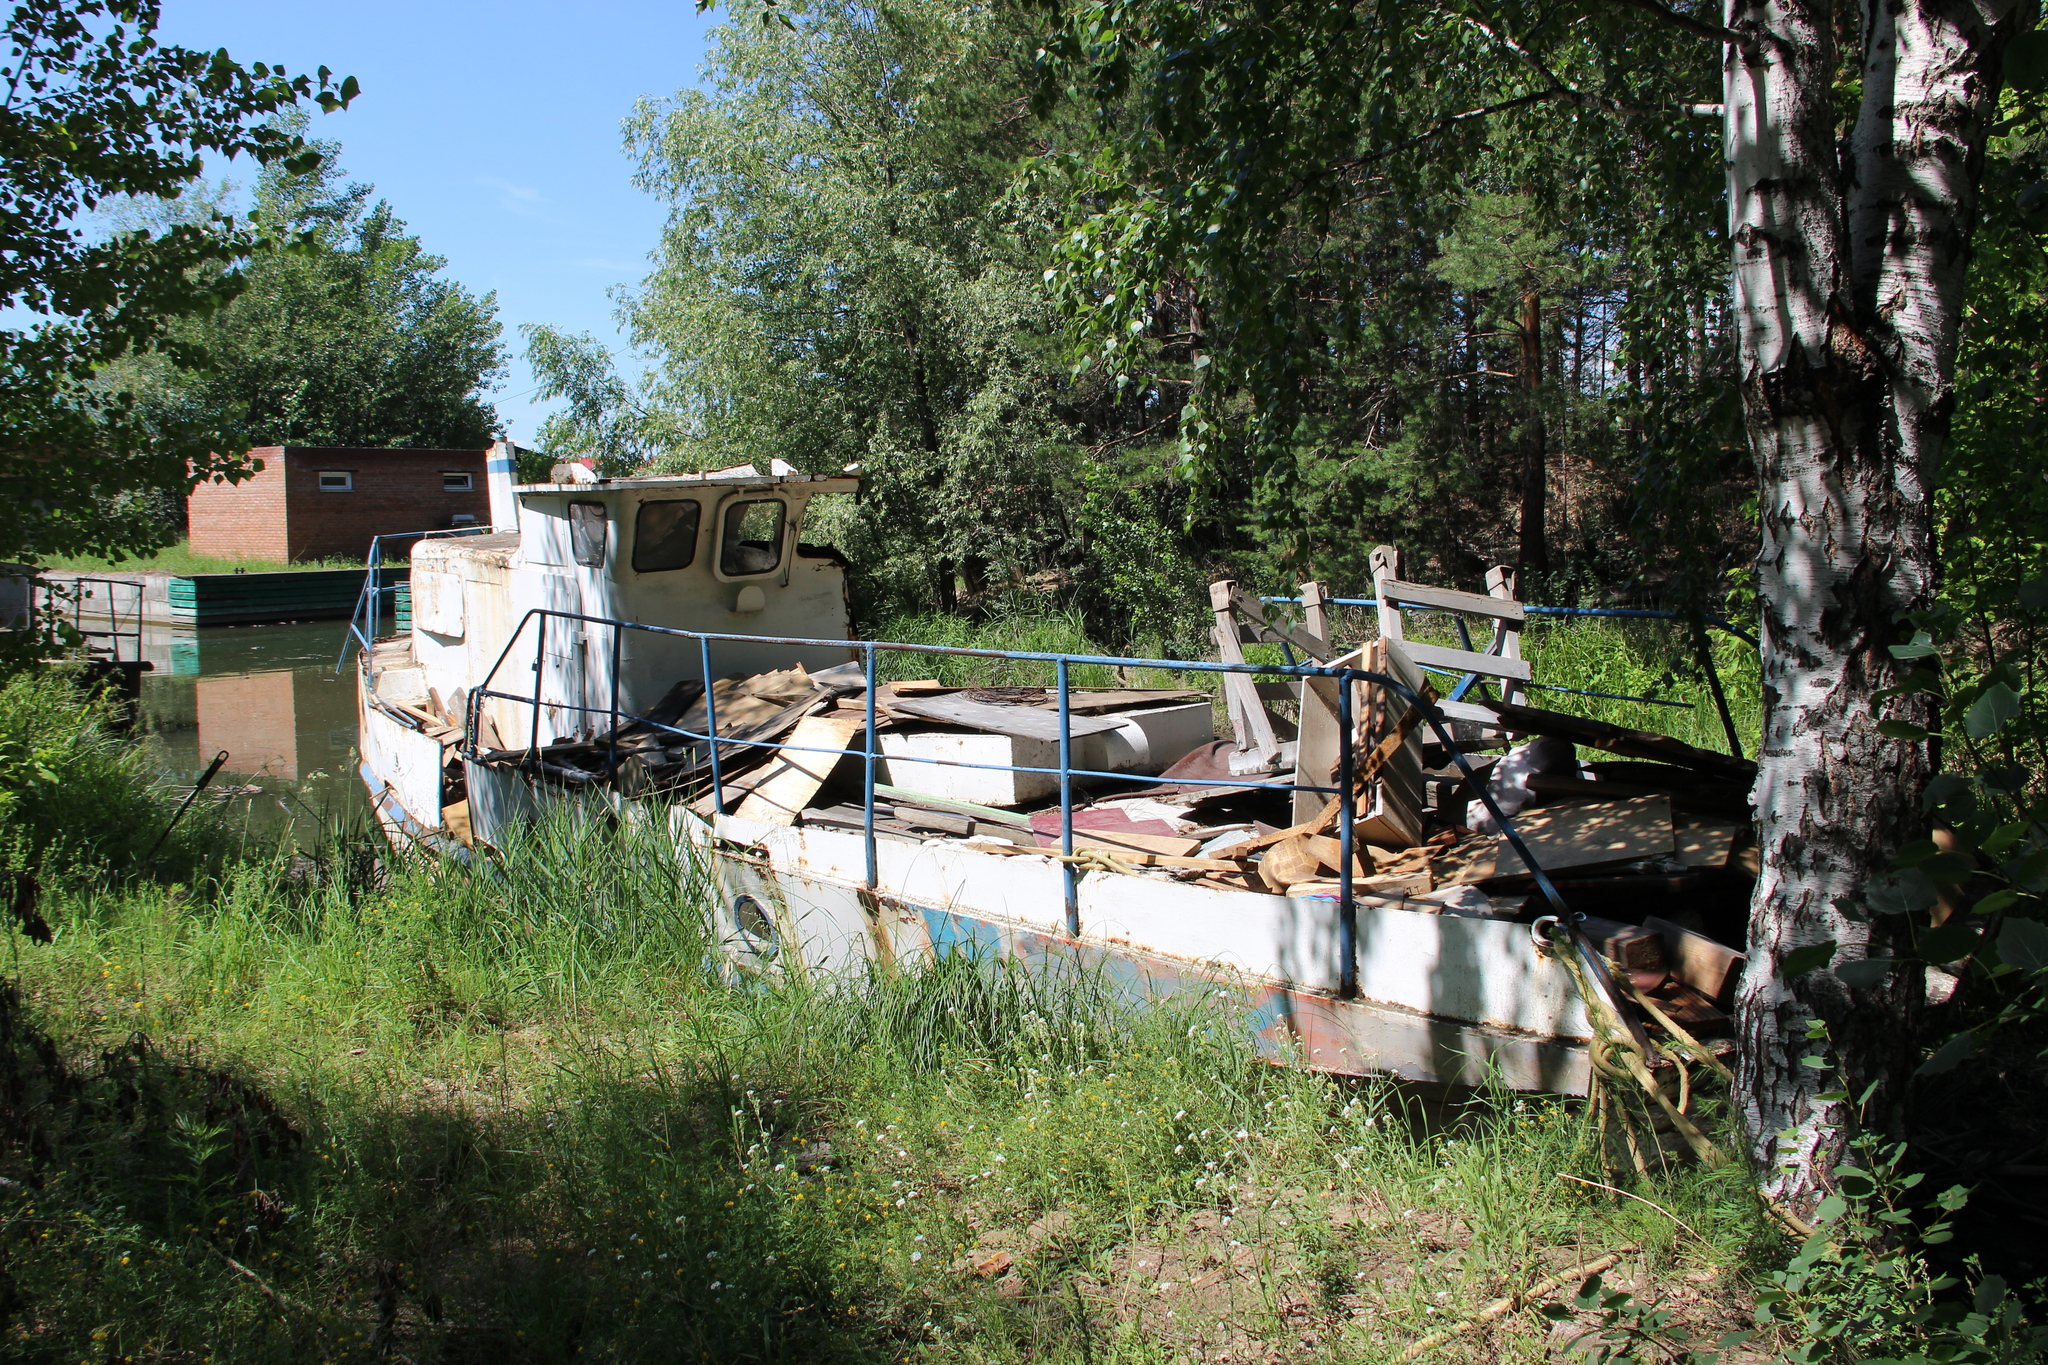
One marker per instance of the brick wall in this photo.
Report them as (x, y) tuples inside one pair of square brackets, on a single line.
[(243, 520), (395, 490)]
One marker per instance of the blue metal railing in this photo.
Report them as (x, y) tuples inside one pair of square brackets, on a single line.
[(368, 616), (1066, 772)]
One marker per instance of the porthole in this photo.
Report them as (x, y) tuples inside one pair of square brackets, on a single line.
[(756, 925)]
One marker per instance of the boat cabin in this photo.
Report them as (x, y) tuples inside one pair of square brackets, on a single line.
[(720, 552)]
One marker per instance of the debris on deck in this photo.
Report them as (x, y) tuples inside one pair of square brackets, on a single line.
[(1623, 822)]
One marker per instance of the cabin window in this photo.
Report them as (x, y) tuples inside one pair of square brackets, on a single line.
[(665, 535), (337, 481), (586, 534), (752, 543), (454, 481)]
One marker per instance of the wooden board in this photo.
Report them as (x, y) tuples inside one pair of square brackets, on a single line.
[(1467, 661), (1450, 599), (793, 778), (1589, 833), (1018, 722), (1116, 841), (1704, 843), (1708, 967), (1094, 703), (1615, 739)]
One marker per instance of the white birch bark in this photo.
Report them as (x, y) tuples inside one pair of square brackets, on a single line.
[(1847, 290)]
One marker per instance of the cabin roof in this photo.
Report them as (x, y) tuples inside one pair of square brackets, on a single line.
[(812, 483)]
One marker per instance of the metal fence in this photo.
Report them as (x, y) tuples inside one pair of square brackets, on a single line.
[(538, 620), (118, 601)]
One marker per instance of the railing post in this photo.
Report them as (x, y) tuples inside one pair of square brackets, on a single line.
[(711, 731), (1706, 653), (612, 735), (867, 794), (540, 677), (1067, 807), (1347, 905)]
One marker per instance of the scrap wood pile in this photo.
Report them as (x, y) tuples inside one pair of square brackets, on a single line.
[(1650, 838)]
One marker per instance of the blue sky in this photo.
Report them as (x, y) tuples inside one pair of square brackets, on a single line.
[(493, 129)]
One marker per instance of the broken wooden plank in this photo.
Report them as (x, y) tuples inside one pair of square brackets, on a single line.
[(1704, 843), (1588, 834), (1095, 702), (1701, 963), (1615, 739), (1468, 661), (903, 796), (1264, 627), (794, 776), (1018, 722), (1450, 599), (1630, 947), (1116, 841), (1249, 722), (1287, 862)]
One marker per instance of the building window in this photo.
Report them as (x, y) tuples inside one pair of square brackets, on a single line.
[(665, 535), (587, 534), (337, 481), (454, 481), (752, 543)]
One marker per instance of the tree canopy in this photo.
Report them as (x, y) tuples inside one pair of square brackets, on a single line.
[(96, 107), (344, 332)]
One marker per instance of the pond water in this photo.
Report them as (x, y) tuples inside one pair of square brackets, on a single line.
[(269, 697)]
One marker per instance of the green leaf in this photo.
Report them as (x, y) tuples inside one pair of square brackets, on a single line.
[(1921, 646), (1948, 942), (1915, 853), (1995, 902), (1947, 869), (1943, 788), (1900, 893), (1901, 729), (2026, 61), (2023, 944), (1994, 709), (1831, 1208), (1802, 960), (1949, 1055), (2030, 871), (1865, 972)]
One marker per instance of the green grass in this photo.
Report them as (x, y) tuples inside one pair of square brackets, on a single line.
[(330, 1104), (180, 559)]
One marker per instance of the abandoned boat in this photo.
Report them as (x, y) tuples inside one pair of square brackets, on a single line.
[(674, 644)]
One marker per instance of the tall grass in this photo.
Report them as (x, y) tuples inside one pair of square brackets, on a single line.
[(518, 1109)]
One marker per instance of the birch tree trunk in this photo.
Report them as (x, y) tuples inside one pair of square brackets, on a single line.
[(1847, 283)]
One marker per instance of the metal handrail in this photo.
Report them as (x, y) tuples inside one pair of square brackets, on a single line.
[(1347, 915), (368, 613), (53, 594)]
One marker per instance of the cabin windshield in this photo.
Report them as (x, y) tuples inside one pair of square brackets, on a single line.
[(665, 535), (752, 540)]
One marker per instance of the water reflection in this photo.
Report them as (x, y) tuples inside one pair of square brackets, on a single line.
[(270, 697)]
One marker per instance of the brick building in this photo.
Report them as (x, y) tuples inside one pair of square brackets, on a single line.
[(325, 503)]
